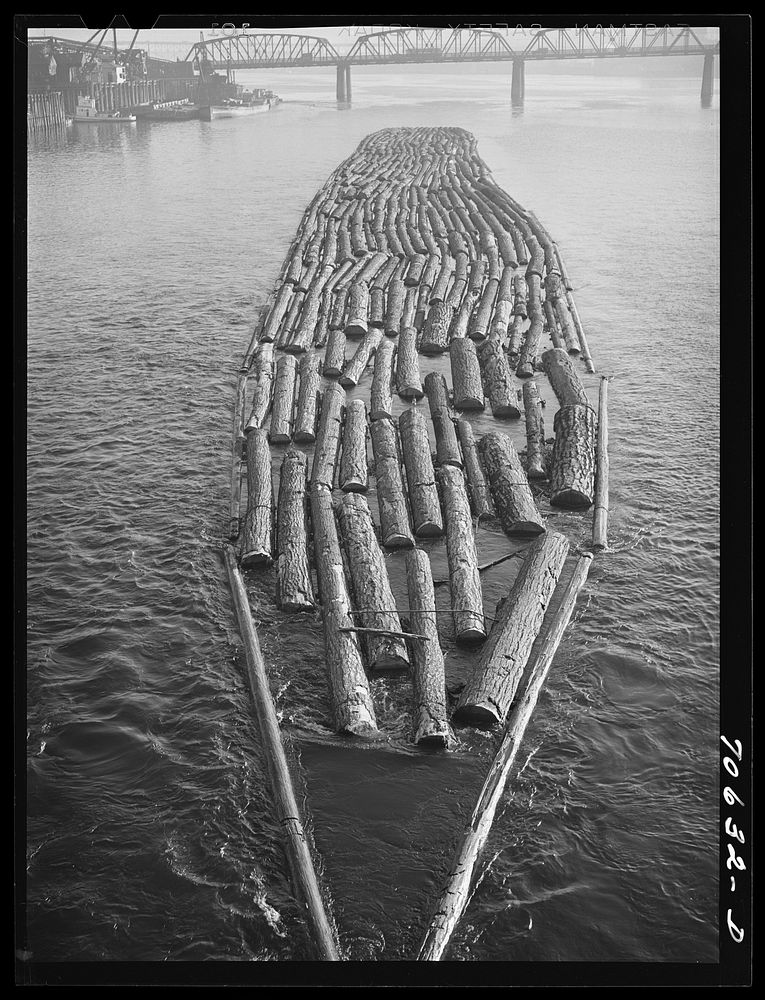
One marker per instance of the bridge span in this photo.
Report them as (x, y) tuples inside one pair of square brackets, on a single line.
[(271, 50)]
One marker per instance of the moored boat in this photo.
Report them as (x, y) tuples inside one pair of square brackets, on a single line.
[(87, 113)]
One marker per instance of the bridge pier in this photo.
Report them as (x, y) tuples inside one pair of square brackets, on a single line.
[(707, 80), (518, 88), (341, 78), (348, 90)]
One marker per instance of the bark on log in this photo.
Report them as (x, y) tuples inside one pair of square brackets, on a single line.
[(441, 285), (294, 589), (535, 432), (355, 368), (354, 469), (276, 314), (377, 307), (350, 696), (567, 327), (336, 320), (372, 593), (431, 727), (478, 488), (334, 356), (257, 530), (291, 319), (551, 323), (287, 812), (410, 308), (381, 396), (328, 437), (435, 332), (420, 477), (264, 387), (456, 893), (529, 356), (500, 321), (408, 382), (447, 446), (572, 467), (481, 318), (600, 515), (497, 380), (394, 516), (516, 337), (563, 379), (464, 580), (416, 267), (458, 327), (588, 362), (308, 400), (394, 306), (466, 375), (486, 698), (284, 400), (358, 310), (510, 490)]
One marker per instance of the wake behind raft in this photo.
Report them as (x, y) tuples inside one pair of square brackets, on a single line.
[(410, 253)]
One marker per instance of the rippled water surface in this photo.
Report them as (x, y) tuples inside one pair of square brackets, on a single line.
[(150, 833)]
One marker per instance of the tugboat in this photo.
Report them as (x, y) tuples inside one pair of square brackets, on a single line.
[(247, 103), (86, 113)]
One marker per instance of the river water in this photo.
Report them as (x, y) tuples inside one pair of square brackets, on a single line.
[(150, 834)]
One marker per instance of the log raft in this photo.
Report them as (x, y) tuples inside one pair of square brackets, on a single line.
[(411, 248)]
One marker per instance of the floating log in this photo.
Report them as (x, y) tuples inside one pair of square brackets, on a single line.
[(500, 320), (420, 477), (458, 327), (551, 323), (431, 727), (394, 516), (294, 590), (354, 369), (486, 698), (510, 490), (354, 471), (264, 387), (328, 437), (587, 357), (457, 890), (308, 400), (535, 432), (572, 466), (334, 356), (408, 383), (516, 336), (478, 488), (358, 310), (497, 380), (336, 319), (435, 332), (563, 379), (466, 375), (287, 812), (372, 594), (257, 530), (529, 355), (276, 314), (377, 307), (350, 696), (600, 515), (447, 446), (567, 327), (284, 400), (465, 582), (290, 320), (481, 318), (394, 306), (441, 285), (381, 396)]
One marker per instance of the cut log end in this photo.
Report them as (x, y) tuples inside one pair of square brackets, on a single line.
[(256, 557), (479, 716), (470, 634), (571, 499)]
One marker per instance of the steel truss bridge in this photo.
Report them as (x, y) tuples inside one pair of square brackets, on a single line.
[(420, 45)]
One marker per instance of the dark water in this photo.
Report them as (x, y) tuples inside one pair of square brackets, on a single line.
[(149, 827)]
